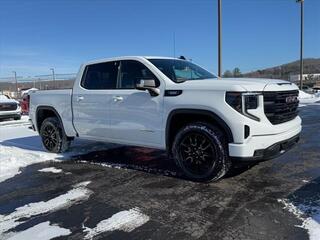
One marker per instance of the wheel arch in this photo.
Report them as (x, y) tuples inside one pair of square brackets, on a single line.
[(185, 116), (44, 112)]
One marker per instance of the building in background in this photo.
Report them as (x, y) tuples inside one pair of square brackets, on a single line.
[(309, 80)]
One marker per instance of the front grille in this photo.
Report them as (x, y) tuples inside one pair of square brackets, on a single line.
[(8, 106), (281, 107)]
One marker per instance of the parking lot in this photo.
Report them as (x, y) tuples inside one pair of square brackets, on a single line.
[(106, 191)]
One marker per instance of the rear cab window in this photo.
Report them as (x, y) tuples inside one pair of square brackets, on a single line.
[(100, 76)]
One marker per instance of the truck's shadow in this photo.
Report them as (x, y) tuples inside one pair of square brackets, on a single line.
[(141, 159)]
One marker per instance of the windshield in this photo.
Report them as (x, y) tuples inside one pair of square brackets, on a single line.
[(181, 70)]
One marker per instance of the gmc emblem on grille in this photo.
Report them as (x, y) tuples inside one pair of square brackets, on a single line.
[(291, 99)]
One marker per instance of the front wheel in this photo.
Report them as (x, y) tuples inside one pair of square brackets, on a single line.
[(53, 137), (200, 151)]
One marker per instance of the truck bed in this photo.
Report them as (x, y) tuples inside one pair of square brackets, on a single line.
[(60, 101)]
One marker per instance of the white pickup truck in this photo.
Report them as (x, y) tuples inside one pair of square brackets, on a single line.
[(204, 122)]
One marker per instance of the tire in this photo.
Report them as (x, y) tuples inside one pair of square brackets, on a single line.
[(53, 137), (200, 151), (17, 118)]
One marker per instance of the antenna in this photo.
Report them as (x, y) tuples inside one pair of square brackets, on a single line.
[(174, 44)]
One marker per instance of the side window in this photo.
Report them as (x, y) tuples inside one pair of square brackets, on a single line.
[(133, 71), (100, 76)]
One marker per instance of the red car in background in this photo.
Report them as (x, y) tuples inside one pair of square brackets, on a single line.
[(24, 103)]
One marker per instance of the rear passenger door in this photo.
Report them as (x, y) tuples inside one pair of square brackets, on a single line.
[(92, 98), (135, 115)]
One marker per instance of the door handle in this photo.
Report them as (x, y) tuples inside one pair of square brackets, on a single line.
[(117, 99), (80, 98)]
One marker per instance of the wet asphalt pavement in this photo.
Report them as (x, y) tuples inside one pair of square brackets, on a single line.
[(243, 205)]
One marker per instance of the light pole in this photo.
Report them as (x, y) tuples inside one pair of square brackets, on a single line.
[(39, 81), (16, 82), (219, 39), (53, 77), (301, 41)]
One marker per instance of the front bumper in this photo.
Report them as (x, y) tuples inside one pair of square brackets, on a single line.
[(271, 152), (264, 147), (10, 115)]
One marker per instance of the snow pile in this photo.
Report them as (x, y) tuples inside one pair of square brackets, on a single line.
[(308, 98), (125, 221), (20, 147), (310, 223), (13, 158), (20, 215), (50, 169), (41, 231)]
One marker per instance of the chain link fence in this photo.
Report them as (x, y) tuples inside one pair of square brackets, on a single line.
[(8, 85)]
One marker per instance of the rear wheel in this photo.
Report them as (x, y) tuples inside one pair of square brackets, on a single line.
[(200, 151), (53, 137)]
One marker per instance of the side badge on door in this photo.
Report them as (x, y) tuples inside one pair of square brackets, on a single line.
[(172, 93)]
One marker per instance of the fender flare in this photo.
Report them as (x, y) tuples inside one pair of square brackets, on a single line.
[(51, 109), (221, 123)]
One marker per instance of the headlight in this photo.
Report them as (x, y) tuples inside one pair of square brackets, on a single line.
[(234, 99), (243, 101), (251, 101)]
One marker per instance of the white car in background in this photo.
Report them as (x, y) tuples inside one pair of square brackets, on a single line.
[(9, 108)]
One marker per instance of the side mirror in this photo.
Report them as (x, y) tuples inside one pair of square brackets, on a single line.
[(148, 84)]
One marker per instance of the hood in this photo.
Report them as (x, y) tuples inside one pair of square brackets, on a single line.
[(8, 101), (241, 84)]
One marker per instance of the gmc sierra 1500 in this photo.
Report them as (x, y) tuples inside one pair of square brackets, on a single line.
[(205, 123)]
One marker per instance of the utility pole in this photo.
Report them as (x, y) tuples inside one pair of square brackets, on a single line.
[(219, 39), (39, 81), (53, 78), (301, 41), (16, 82)]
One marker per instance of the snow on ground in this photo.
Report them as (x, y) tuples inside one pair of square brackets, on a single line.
[(24, 121), (13, 158), (309, 215), (125, 221), (21, 146), (76, 195), (41, 231), (50, 169)]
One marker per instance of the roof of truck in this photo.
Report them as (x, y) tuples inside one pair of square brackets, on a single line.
[(127, 58)]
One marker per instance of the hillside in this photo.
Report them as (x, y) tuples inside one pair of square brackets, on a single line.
[(311, 65)]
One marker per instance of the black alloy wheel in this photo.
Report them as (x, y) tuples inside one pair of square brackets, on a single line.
[(53, 137), (197, 153), (50, 137), (200, 151)]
